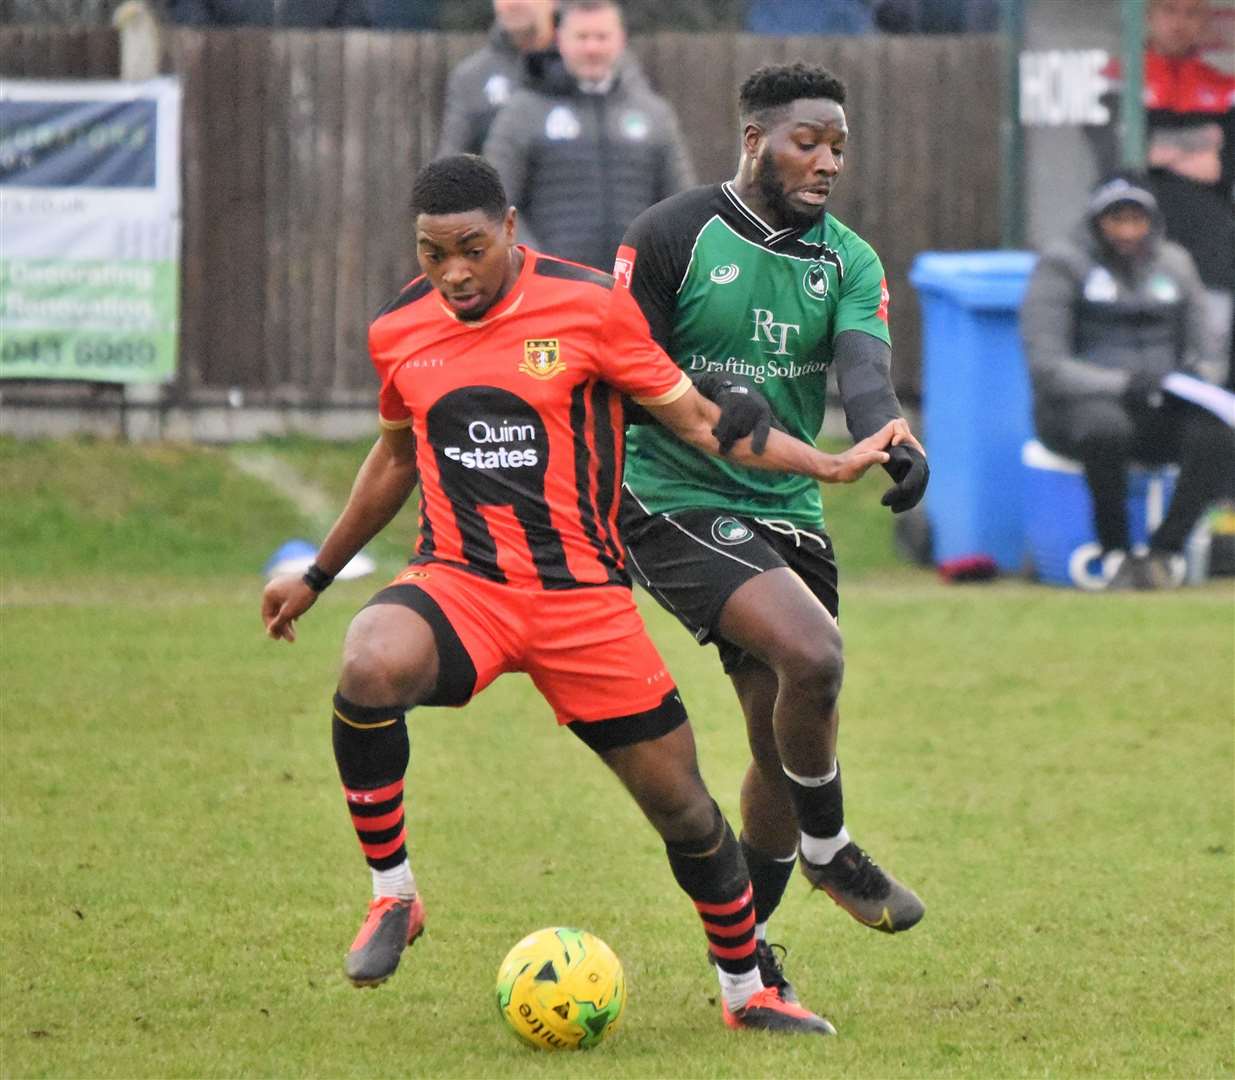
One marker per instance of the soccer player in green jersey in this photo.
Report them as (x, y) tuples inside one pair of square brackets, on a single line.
[(750, 286)]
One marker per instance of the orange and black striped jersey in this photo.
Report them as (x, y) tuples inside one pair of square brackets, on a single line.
[(517, 419)]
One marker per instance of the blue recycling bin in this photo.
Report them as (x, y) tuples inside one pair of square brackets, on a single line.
[(976, 404)]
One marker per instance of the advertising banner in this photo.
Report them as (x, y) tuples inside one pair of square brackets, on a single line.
[(89, 229)]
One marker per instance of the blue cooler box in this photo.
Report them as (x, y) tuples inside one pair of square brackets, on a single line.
[(1059, 530), (976, 405)]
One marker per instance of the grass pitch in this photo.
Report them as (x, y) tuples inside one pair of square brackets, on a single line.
[(1052, 771)]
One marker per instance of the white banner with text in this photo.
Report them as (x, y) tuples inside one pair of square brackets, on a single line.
[(90, 215)]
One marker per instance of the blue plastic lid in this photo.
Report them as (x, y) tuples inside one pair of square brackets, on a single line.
[(982, 280)]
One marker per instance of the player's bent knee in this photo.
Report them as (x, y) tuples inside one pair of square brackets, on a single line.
[(388, 656), (816, 667), (369, 679), (700, 833), (671, 793), (678, 808), (653, 753), (688, 822)]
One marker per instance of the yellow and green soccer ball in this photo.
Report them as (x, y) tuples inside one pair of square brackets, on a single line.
[(561, 989)]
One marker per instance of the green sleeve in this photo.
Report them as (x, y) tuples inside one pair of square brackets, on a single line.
[(864, 298)]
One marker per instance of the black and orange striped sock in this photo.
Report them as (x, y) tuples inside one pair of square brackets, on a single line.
[(713, 875), (371, 750)]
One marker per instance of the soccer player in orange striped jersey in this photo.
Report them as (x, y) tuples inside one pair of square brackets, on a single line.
[(501, 375)]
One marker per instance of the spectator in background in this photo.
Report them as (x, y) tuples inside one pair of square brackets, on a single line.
[(483, 82), (787, 17), (936, 16), (1190, 113), (587, 145), (1108, 314)]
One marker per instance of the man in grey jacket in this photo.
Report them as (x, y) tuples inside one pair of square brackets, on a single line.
[(483, 82), (1109, 313), (587, 145)]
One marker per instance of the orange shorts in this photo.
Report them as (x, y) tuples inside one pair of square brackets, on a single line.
[(586, 649)]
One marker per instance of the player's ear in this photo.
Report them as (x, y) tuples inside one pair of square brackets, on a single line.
[(509, 226), (752, 138)]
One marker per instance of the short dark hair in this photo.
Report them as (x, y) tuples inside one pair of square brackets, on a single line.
[(775, 85), (457, 184)]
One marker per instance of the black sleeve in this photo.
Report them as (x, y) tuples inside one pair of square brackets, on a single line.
[(657, 245), (653, 260), (863, 366)]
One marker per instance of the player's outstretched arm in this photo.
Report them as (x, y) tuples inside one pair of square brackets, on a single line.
[(693, 418), (863, 366), (382, 486)]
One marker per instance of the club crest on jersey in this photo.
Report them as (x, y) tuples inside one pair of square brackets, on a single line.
[(541, 359), (722, 275), (815, 280), (729, 531)]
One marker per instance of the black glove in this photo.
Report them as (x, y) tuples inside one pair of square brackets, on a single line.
[(1143, 392), (909, 469), (743, 412)]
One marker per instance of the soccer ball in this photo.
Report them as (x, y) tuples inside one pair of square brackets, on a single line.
[(561, 989)]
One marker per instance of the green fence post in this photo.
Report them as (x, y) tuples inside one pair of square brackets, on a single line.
[(1132, 103), (1011, 136)]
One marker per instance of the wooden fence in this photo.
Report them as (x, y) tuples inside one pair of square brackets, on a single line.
[(299, 148)]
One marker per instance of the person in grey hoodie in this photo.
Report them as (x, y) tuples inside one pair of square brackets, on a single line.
[(1109, 312), (587, 145), (484, 81)]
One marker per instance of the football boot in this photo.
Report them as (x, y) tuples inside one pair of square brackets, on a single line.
[(871, 895), (391, 925), (768, 1011)]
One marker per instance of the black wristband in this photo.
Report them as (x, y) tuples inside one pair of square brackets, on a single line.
[(316, 578)]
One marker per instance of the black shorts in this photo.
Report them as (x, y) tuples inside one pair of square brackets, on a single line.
[(692, 561)]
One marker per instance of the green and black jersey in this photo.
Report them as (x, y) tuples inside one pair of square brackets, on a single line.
[(724, 292)]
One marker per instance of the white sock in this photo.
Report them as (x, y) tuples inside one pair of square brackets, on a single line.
[(737, 990), (822, 850), (398, 881)]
